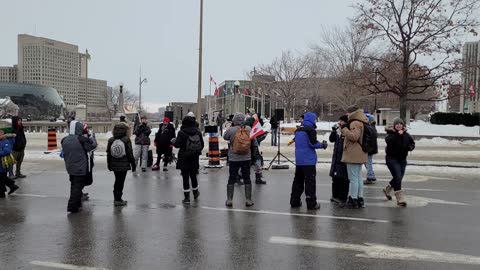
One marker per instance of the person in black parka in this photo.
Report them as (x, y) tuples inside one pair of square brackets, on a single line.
[(338, 170), (121, 164), (163, 138), (19, 146), (188, 162)]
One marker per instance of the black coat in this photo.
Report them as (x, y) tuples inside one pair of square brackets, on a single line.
[(142, 133), (163, 137), (338, 169), (128, 161), (398, 145), (187, 163), (20, 140)]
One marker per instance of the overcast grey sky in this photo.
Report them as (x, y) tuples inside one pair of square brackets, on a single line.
[(162, 37)]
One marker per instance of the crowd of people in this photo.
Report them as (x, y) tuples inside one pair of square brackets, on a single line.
[(354, 138)]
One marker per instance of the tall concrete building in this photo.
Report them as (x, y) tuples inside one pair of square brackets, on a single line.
[(471, 78), (8, 74), (51, 63), (97, 94)]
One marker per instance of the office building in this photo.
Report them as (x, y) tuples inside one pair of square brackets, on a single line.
[(8, 74)]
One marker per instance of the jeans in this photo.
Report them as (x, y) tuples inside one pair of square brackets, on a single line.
[(369, 167), (244, 167), (397, 169), (274, 136), (118, 185), (76, 191), (18, 155), (141, 150), (304, 178), (356, 183), (187, 176)]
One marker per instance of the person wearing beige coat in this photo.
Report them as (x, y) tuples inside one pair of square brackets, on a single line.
[(353, 154)]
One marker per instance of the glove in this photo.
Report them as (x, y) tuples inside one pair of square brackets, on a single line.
[(335, 127), (291, 141), (325, 145)]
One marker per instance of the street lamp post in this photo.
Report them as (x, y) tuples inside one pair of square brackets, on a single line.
[(140, 82), (87, 57), (120, 99), (375, 70), (199, 93), (236, 97)]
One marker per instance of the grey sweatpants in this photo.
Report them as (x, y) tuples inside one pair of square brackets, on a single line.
[(141, 150)]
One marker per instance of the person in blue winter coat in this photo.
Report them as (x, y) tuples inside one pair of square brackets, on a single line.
[(7, 140), (306, 159)]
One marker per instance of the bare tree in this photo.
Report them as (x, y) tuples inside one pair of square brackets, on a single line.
[(111, 100), (416, 31), (290, 72), (341, 55)]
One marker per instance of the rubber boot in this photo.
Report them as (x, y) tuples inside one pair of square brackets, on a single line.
[(230, 189), (196, 193), (400, 199), (187, 198), (258, 179), (388, 192), (248, 195)]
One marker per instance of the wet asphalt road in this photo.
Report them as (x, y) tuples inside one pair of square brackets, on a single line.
[(156, 232)]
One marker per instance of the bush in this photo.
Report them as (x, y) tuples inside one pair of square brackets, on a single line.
[(466, 119)]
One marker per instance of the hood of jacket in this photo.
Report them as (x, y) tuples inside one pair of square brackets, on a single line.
[(309, 119), (190, 131), (76, 128), (358, 115), (119, 131), (238, 119), (15, 122), (188, 122)]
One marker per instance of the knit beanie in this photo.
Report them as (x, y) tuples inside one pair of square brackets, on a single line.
[(398, 121)]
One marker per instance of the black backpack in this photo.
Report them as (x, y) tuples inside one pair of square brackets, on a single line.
[(369, 141), (194, 146)]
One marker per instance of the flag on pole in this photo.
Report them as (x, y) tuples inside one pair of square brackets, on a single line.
[(212, 81), (245, 92), (216, 92), (471, 90), (257, 130)]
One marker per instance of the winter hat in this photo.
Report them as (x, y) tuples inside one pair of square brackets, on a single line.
[(398, 121), (351, 109), (7, 130), (166, 119), (238, 119), (143, 117), (122, 118), (251, 110), (344, 118), (191, 114)]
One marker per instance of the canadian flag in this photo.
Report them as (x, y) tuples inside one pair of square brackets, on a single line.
[(257, 130)]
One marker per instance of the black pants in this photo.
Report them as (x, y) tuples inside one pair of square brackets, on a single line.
[(76, 191), (304, 179), (118, 185), (5, 181), (340, 187), (18, 155), (187, 176), (244, 167), (167, 154), (397, 169)]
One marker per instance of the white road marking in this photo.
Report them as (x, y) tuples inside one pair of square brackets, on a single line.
[(379, 251), (64, 266), (29, 195), (381, 187), (296, 214), (421, 201)]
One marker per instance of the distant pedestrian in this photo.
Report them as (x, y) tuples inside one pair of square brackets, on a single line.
[(274, 130), (7, 141), (75, 148), (220, 122), (338, 169), (120, 160), (371, 179), (306, 160), (399, 143), (123, 121), (19, 146), (163, 138), (239, 156), (353, 154), (190, 142), (142, 142)]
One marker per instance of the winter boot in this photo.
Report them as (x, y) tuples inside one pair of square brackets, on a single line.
[(400, 199), (230, 189), (13, 188), (196, 193), (351, 203), (187, 198), (155, 167), (360, 202), (120, 203), (370, 181), (388, 192), (258, 179), (248, 195), (165, 169), (313, 206)]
